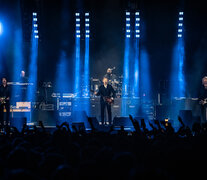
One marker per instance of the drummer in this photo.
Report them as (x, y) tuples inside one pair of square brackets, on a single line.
[(110, 76)]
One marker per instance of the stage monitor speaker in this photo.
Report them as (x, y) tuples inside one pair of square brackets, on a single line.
[(162, 112), (47, 117), (122, 121), (18, 122), (94, 122), (186, 116), (79, 126), (80, 116)]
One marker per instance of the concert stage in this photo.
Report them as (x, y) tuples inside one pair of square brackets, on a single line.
[(69, 109)]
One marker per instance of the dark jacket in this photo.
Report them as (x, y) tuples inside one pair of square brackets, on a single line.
[(106, 92), (4, 91)]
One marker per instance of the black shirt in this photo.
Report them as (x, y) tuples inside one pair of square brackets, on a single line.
[(110, 77), (4, 91), (106, 92), (203, 94)]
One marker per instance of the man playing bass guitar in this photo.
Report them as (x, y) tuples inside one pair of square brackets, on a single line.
[(4, 101), (107, 94)]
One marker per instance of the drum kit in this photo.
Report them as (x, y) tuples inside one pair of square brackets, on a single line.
[(116, 83)]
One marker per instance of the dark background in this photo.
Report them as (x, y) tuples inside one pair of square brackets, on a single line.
[(107, 22)]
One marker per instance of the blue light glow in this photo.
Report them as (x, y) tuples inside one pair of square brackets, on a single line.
[(31, 90), (1, 28), (177, 77)]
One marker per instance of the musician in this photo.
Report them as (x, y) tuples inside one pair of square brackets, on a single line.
[(23, 78), (104, 91), (202, 98), (5, 101), (110, 76)]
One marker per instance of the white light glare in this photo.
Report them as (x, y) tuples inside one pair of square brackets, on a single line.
[(86, 14), (34, 14), (179, 35), (128, 30), (180, 18), (137, 13), (34, 19), (35, 25), (127, 13), (137, 35), (77, 14), (128, 36), (180, 30), (87, 20), (181, 13), (180, 24)]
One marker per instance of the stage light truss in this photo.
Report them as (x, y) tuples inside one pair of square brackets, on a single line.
[(128, 25), (78, 25), (35, 25), (137, 25), (180, 24)]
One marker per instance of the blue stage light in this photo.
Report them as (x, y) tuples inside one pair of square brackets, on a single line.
[(180, 24), (137, 24), (136, 13), (181, 13), (128, 13), (180, 18), (34, 14), (86, 14), (127, 19), (77, 14), (1, 28)]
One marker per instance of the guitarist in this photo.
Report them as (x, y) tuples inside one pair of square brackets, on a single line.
[(4, 101), (107, 94), (203, 100)]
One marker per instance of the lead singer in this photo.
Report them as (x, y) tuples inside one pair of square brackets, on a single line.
[(107, 94)]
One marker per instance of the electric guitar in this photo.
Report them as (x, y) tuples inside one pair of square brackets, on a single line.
[(2, 100), (108, 99), (203, 101)]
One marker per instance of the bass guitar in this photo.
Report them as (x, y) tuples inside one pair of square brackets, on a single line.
[(2, 100)]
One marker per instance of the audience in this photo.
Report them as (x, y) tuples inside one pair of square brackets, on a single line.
[(71, 153)]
